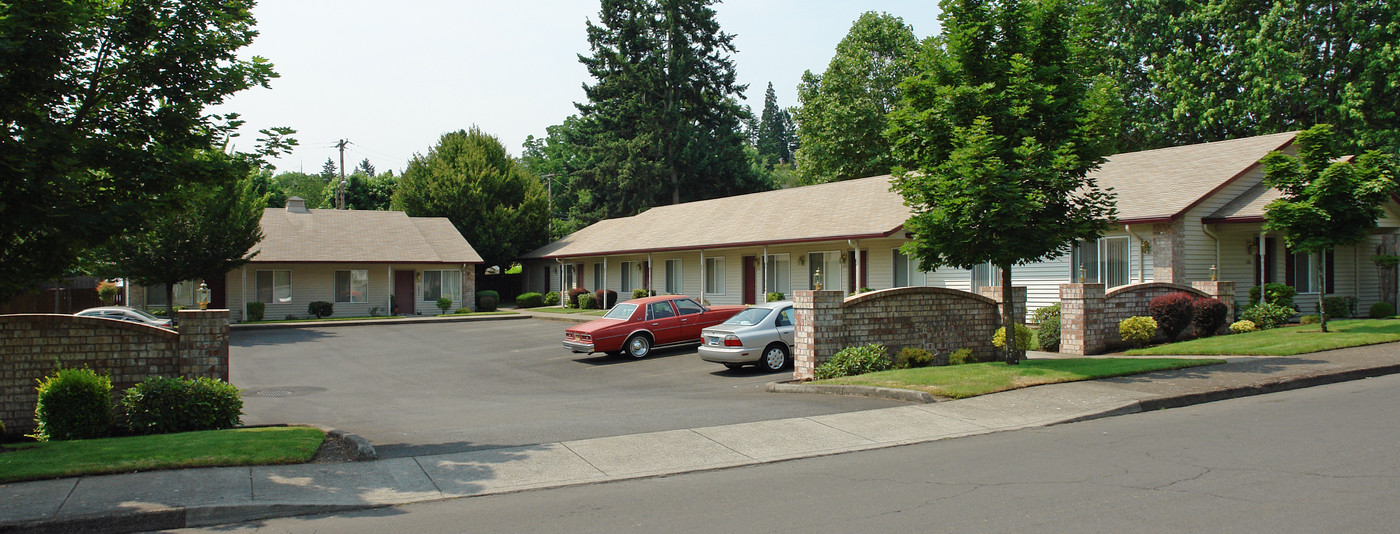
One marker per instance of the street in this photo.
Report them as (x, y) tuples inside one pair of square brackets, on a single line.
[(1314, 460)]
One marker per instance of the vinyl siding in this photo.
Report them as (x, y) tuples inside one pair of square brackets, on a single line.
[(313, 282)]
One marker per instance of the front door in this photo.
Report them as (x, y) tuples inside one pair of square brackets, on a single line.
[(750, 280), (403, 292), (218, 292)]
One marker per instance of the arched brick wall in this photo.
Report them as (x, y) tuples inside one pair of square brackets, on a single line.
[(1132, 300)]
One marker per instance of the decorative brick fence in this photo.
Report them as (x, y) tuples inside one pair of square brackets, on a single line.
[(31, 345), (932, 318), (1089, 318)]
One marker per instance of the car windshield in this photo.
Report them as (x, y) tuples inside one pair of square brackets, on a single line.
[(749, 317), (621, 311)]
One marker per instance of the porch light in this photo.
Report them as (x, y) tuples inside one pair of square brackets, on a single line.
[(1083, 273), (802, 260), (202, 295), (1212, 273)]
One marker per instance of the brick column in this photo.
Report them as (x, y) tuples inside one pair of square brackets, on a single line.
[(1018, 294), (1082, 328), (1169, 252), (203, 344), (1224, 290), (469, 287), (819, 330)]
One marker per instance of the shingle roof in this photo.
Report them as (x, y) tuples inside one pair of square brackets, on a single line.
[(1157, 184), (357, 236), (1166, 182), (851, 209), (1248, 207)]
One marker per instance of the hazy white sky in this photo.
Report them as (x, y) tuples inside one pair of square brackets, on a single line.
[(391, 77)]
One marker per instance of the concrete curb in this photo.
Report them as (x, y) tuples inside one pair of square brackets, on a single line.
[(374, 322), (360, 448), (1284, 384), (907, 395)]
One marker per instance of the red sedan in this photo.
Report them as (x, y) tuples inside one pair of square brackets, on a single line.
[(638, 325)]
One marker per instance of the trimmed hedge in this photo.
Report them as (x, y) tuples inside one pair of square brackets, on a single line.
[(529, 300), (573, 296), (1209, 316), (1382, 310), (320, 308), (256, 310), (73, 404), (551, 298), (852, 361), (163, 405), (606, 297), (911, 357), (1137, 331), (1172, 312), (487, 299)]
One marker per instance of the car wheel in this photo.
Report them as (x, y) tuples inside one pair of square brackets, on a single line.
[(733, 366), (775, 357), (638, 346)]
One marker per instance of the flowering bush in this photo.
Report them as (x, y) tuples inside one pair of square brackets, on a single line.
[(1137, 330), (1240, 327)]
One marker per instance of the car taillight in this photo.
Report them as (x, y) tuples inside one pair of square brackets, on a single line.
[(568, 335), (585, 337), (732, 341)]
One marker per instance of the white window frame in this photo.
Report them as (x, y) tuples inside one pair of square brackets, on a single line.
[(1105, 268), (679, 276), (628, 270), (444, 275), (364, 289), (1097, 271), (771, 285), (829, 258), (1304, 272), (714, 285), (598, 282), (913, 276), (991, 277), (275, 289)]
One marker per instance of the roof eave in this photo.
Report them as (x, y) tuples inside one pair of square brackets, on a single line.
[(721, 245), (1231, 180)]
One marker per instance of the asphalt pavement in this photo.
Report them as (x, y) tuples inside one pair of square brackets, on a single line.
[(213, 496)]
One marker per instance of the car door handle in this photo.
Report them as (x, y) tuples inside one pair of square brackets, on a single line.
[(656, 324)]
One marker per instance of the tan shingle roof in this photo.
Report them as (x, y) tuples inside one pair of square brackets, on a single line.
[(840, 210), (1248, 207), (1164, 183), (358, 236), (1152, 184)]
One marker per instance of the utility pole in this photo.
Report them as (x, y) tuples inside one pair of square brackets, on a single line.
[(550, 177), (340, 190)]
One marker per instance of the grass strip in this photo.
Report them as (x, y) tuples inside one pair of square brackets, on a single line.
[(212, 448), (971, 380), (1287, 341), (549, 309), (466, 314), (327, 319)]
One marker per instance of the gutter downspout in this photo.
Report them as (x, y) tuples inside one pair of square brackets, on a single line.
[(1206, 228), (765, 277)]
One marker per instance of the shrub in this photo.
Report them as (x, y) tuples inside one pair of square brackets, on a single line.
[(911, 357), (73, 404), (587, 302), (163, 405), (530, 300), (573, 296), (551, 298), (1266, 315), (320, 308), (1050, 334), (1172, 312), (444, 304), (1339, 307), (1381, 310), (1137, 331), (1023, 338), (107, 291), (374, 311), (639, 293), (1209, 316), (256, 310), (1310, 319), (495, 299), (1280, 294), (159, 312), (960, 357), (1041, 314), (1240, 327), (606, 297), (853, 361)]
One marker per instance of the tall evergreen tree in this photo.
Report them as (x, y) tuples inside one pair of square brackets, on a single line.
[(365, 167), (1001, 129), (841, 120), (775, 136), (329, 171), (662, 120)]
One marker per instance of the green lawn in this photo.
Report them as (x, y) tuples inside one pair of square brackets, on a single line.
[(1287, 341), (326, 319), (467, 314), (556, 309), (239, 446), (971, 380)]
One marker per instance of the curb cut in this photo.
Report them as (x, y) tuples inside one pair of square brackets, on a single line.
[(907, 395)]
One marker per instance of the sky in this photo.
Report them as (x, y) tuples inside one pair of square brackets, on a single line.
[(392, 77)]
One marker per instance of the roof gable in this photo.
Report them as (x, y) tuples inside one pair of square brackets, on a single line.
[(360, 236)]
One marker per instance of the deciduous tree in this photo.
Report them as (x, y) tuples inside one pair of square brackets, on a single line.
[(1000, 129)]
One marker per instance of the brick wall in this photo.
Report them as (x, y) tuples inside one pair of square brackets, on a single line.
[(932, 318), (126, 352), (1089, 318)]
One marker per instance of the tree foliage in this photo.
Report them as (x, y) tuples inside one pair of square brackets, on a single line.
[(1327, 202), (842, 116), (662, 121), (104, 110), (555, 160), (309, 187), (362, 192), (1001, 129), (1209, 70), (775, 135), (491, 199)]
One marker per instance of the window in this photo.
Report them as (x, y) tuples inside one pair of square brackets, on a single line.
[(985, 275), (1105, 261), (785, 318), (1084, 254), (1304, 272), (828, 264), (673, 277), (1115, 263), (438, 284), (630, 276), (597, 276), (352, 286), (906, 270), (274, 287), (714, 276), (660, 310), (688, 307), (155, 295), (570, 277), (779, 276)]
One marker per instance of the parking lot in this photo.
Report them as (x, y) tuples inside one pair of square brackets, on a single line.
[(432, 388)]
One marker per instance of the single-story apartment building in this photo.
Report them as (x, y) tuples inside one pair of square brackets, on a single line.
[(1182, 212), (363, 262)]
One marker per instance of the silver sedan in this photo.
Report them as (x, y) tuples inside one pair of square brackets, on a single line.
[(761, 335)]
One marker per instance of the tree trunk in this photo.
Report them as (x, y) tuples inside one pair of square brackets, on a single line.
[(1322, 291), (170, 301), (1008, 317)]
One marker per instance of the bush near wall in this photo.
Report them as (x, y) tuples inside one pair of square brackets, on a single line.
[(551, 298), (529, 300), (607, 298), (573, 296), (1173, 313), (1381, 310), (73, 404), (320, 308), (1209, 316), (587, 302), (163, 405), (255, 311), (852, 361), (775, 296), (487, 299), (1137, 331)]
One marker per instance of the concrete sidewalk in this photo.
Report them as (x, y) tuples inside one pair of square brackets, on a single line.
[(199, 497)]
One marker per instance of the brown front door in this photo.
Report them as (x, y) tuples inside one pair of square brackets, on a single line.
[(750, 281), (403, 292), (218, 292)]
